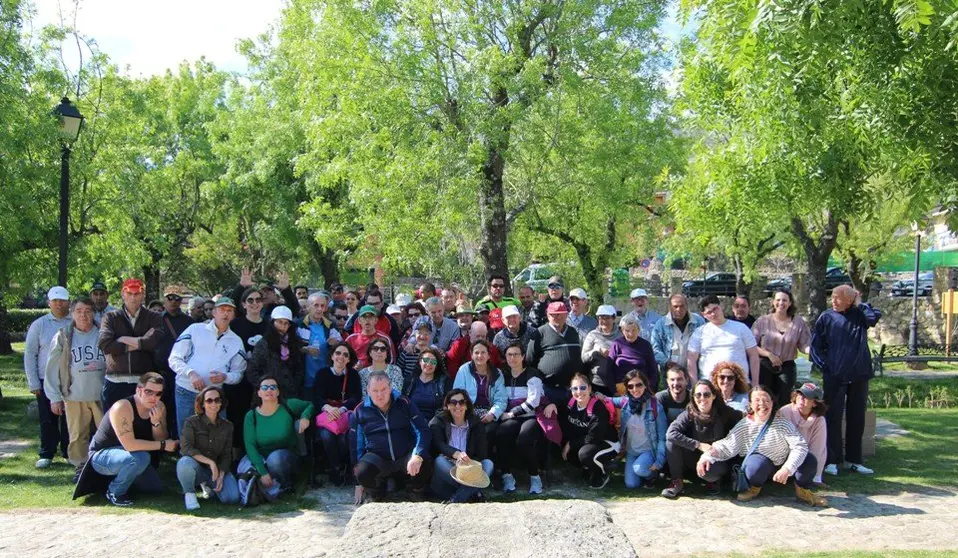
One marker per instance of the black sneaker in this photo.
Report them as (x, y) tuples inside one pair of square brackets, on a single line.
[(121, 500), (599, 481), (713, 488)]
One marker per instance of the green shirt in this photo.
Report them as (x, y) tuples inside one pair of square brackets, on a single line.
[(491, 304), (264, 434)]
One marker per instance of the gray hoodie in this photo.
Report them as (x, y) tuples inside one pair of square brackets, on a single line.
[(87, 366)]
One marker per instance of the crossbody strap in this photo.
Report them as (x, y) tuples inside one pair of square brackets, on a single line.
[(758, 439)]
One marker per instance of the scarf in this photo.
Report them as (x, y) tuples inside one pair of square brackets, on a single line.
[(636, 404), (284, 348)]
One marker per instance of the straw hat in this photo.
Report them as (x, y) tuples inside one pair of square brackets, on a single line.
[(470, 474)]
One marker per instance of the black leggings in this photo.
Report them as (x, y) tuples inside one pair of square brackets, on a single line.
[(594, 457), (519, 437), (682, 460), (334, 446), (781, 381)]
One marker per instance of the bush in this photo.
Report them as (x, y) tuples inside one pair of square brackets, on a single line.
[(19, 319)]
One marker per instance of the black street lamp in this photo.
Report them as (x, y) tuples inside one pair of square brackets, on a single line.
[(913, 326), (70, 122)]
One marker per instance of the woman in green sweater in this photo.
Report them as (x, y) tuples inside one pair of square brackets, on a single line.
[(270, 435)]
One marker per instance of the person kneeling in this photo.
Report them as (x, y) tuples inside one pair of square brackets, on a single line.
[(388, 438), (206, 447), (459, 439), (134, 428), (766, 441), (642, 436)]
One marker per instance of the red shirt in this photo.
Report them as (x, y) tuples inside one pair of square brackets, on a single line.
[(360, 343)]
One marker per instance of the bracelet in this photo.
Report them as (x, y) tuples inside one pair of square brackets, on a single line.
[(156, 424), (162, 445)]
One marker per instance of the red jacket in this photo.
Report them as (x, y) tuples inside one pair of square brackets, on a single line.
[(459, 354)]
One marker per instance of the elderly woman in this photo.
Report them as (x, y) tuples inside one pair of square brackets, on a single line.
[(595, 350), (279, 354), (631, 352), (427, 388), (780, 452), (807, 412), (206, 443), (642, 434), (730, 380), (590, 439), (338, 390), (379, 357), (780, 335), (270, 433), (706, 420), (458, 438)]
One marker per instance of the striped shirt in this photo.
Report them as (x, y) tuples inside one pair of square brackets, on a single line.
[(782, 443)]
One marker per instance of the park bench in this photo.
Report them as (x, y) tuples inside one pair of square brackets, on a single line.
[(902, 353)]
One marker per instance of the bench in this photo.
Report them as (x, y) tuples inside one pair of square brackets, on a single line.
[(902, 353)]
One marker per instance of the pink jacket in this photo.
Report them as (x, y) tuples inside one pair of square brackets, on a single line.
[(812, 429)]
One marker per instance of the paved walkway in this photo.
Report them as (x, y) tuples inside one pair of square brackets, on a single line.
[(655, 527)]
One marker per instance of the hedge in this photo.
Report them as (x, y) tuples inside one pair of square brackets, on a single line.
[(19, 319)]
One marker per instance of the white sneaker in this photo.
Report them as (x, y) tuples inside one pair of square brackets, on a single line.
[(859, 468), (508, 483), (831, 469), (43, 463), (535, 484), (205, 491), (192, 503)]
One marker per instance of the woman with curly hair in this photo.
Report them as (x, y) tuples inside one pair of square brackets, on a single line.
[(730, 380)]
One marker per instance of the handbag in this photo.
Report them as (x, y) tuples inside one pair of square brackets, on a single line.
[(338, 425), (738, 471)]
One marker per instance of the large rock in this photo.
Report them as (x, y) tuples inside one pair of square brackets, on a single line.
[(576, 528)]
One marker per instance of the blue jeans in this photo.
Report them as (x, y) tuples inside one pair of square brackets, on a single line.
[(185, 406), (445, 487), (129, 469), (281, 465), (637, 468), (758, 469), (191, 473)]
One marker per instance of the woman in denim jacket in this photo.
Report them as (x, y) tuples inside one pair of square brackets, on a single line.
[(642, 431)]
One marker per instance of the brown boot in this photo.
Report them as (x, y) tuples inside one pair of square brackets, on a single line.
[(809, 497), (749, 494)]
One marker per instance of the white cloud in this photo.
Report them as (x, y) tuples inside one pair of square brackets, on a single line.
[(150, 37)]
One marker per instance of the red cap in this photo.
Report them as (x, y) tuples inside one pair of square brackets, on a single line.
[(557, 308), (495, 319), (133, 286)]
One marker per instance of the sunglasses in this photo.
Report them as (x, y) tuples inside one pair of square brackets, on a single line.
[(725, 378), (152, 393), (269, 387), (414, 315), (216, 400), (430, 361), (704, 395), (579, 388), (457, 402), (378, 349), (254, 299), (635, 386), (497, 286), (555, 285), (174, 297)]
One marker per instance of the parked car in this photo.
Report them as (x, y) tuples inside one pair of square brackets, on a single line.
[(717, 283), (834, 277), (906, 287), (535, 276)]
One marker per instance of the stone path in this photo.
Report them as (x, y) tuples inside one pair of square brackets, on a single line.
[(654, 527)]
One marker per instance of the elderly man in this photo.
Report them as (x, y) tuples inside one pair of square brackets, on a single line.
[(206, 355), (320, 336), (129, 337), (464, 316), (496, 285), (516, 331), (101, 301), (721, 340), (670, 337), (197, 313), (388, 437), (556, 352), (741, 311), (444, 330), (538, 317), (582, 322), (448, 297), (646, 317), (53, 426), (461, 350), (840, 349)]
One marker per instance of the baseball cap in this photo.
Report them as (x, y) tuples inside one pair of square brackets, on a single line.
[(133, 285), (638, 293), (368, 309), (606, 310), (495, 319), (556, 280), (464, 309), (98, 286), (58, 293), (393, 309), (281, 313), (578, 293), (226, 301), (402, 299), (811, 391), (510, 310), (557, 308)]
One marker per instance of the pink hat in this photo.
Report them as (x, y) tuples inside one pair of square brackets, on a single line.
[(557, 308)]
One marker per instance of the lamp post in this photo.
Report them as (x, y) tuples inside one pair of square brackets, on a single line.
[(913, 327), (70, 122)]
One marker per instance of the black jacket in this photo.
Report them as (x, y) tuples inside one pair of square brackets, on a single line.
[(686, 432), (477, 446)]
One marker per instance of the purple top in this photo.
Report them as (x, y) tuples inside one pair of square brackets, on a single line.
[(627, 356), (482, 391)]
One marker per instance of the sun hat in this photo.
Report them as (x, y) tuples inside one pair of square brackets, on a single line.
[(470, 474)]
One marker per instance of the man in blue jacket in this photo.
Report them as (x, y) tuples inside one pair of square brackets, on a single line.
[(389, 438), (840, 349)]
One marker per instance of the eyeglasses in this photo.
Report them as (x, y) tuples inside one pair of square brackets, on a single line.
[(726, 378), (174, 298), (254, 299), (579, 388), (152, 393), (513, 355), (555, 285), (216, 400), (378, 349), (414, 315), (635, 386), (343, 354), (497, 286), (429, 361), (704, 395), (457, 402), (269, 387)]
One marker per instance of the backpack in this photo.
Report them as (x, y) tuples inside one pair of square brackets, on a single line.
[(609, 406)]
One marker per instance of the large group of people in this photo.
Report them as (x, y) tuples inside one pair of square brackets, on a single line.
[(438, 398)]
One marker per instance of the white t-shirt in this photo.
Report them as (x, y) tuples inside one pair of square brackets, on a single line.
[(715, 344)]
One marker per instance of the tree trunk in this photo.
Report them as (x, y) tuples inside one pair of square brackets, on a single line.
[(6, 347), (861, 276), (493, 243), (741, 285), (151, 277), (328, 264), (817, 251)]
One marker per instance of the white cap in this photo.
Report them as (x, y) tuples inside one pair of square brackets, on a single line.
[(579, 293), (281, 313), (393, 309), (58, 293), (510, 310), (636, 293), (606, 310), (402, 299)]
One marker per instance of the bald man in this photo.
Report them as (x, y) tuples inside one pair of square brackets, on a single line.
[(840, 349)]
